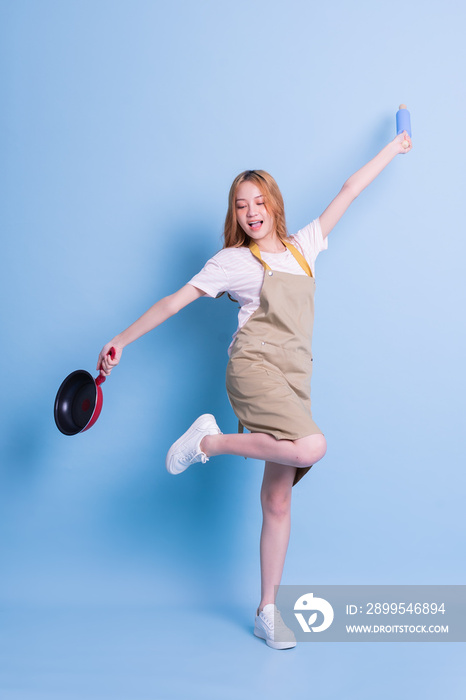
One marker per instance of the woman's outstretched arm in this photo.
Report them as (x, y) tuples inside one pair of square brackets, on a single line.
[(359, 181), (157, 314)]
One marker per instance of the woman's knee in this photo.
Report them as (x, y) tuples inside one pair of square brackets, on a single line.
[(276, 504), (310, 449), (276, 489)]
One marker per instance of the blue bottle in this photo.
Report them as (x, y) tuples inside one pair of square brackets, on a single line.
[(403, 121)]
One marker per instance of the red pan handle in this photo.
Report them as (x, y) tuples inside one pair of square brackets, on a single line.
[(101, 378)]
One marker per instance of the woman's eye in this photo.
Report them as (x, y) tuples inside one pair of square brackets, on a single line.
[(241, 206)]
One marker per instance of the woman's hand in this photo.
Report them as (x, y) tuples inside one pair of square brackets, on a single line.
[(105, 363), (403, 142)]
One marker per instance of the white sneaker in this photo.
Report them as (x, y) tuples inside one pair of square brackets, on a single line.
[(270, 626), (186, 450)]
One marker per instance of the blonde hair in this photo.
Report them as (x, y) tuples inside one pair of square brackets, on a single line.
[(233, 234)]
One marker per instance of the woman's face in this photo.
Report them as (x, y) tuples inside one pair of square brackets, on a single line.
[(251, 212)]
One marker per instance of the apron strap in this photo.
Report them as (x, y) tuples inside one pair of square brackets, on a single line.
[(300, 259), (254, 248)]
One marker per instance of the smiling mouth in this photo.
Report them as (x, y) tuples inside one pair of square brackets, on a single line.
[(255, 225)]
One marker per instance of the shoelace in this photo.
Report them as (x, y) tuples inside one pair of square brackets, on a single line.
[(190, 456), (273, 620)]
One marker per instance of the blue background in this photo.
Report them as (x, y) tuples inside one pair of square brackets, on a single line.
[(122, 127)]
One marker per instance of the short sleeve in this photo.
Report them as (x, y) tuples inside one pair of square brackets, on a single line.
[(311, 241), (212, 279)]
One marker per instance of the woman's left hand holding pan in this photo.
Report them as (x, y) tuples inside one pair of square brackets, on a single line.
[(109, 357)]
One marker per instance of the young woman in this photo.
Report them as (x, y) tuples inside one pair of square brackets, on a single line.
[(271, 275)]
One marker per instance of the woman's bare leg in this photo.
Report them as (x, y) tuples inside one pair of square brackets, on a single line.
[(276, 511), (296, 453)]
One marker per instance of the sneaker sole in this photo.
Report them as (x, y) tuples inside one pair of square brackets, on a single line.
[(274, 645)]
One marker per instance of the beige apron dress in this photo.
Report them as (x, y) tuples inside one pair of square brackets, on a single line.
[(268, 376)]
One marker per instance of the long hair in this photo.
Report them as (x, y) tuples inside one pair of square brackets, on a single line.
[(234, 236)]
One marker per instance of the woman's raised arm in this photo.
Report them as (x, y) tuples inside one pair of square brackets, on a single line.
[(359, 181), (153, 317)]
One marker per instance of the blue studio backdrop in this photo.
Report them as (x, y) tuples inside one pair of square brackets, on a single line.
[(123, 126)]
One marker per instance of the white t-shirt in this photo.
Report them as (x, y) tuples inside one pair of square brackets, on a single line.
[(238, 272)]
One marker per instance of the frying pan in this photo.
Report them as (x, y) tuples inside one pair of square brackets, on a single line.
[(79, 401)]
